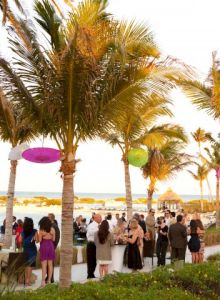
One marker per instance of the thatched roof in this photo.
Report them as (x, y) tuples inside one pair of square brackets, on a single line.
[(169, 196)]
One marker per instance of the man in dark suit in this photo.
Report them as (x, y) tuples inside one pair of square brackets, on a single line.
[(178, 239)]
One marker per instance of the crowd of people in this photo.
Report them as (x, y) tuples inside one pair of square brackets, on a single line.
[(26, 238), (142, 237)]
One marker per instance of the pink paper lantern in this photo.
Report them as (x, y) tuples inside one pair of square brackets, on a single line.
[(41, 155)]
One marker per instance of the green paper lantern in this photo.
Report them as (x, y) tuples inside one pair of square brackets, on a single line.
[(137, 157)]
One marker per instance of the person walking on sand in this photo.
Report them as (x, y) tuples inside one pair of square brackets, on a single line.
[(91, 247), (103, 239), (47, 252)]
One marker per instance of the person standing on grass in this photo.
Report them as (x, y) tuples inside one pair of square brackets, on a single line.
[(91, 247), (47, 252), (103, 239), (29, 238)]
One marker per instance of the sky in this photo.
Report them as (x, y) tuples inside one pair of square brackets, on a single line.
[(188, 30)]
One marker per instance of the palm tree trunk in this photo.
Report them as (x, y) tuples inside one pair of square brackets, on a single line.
[(66, 250), (209, 189), (9, 207), (149, 198), (217, 202), (128, 188), (201, 190)]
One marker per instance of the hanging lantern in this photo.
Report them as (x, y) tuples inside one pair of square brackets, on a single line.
[(41, 155), (16, 152), (137, 157)]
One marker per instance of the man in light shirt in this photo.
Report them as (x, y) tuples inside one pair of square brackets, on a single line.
[(91, 248)]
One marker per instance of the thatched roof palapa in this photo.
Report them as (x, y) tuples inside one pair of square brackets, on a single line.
[(170, 196)]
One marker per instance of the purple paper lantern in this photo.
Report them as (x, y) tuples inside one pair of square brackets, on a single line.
[(41, 155)]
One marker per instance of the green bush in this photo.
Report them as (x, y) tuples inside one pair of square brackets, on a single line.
[(190, 283)]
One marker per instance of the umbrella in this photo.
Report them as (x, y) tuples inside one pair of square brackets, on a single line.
[(16, 152), (41, 155), (137, 157)]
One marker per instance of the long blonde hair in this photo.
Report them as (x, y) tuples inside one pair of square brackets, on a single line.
[(133, 224)]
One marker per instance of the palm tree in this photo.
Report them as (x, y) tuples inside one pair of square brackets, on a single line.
[(206, 96), (7, 14), (15, 129), (200, 136), (200, 175), (86, 67), (213, 162), (165, 160), (130, 127)]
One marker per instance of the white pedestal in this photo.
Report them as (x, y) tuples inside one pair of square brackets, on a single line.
[(117, 258), (79, 254)]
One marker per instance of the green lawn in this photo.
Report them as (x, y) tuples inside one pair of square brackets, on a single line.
[(191, 282)]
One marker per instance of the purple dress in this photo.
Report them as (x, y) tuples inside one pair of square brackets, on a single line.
[(47, 251)]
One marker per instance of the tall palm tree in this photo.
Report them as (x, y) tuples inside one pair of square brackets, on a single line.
[(213, 162), (200, 175), (201, 136), (15, 129), (86, 67), (165, 160), (130, 127), (206, 96)]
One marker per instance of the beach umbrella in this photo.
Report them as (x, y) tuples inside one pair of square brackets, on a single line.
[(137, 157), (16, 152), (41, 155)]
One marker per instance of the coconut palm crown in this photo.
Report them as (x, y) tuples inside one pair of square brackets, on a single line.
[(165, 159)]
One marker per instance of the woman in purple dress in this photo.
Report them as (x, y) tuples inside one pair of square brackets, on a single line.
[(47, 251)]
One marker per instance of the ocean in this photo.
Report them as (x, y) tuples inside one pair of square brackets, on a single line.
[(36, 213), (108, 196)]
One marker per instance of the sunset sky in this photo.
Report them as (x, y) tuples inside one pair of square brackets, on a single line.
[(188, 30)]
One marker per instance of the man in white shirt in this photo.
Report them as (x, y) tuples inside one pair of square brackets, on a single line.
[(91, 248)]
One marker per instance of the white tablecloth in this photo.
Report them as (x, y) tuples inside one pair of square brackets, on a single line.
[(117, 258)]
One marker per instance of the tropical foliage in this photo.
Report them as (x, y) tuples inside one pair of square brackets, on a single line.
[(200, 175), (14, 129), (165, 158), (213, 163), (68, 76), (190, 283)]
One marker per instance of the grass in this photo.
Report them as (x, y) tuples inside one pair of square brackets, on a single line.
[(190, 283), (214, 257), (212, 237)]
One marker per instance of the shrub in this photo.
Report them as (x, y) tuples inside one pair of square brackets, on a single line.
[(190, 283)]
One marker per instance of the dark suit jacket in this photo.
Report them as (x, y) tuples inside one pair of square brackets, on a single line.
[(143, 225), (178, 235)]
